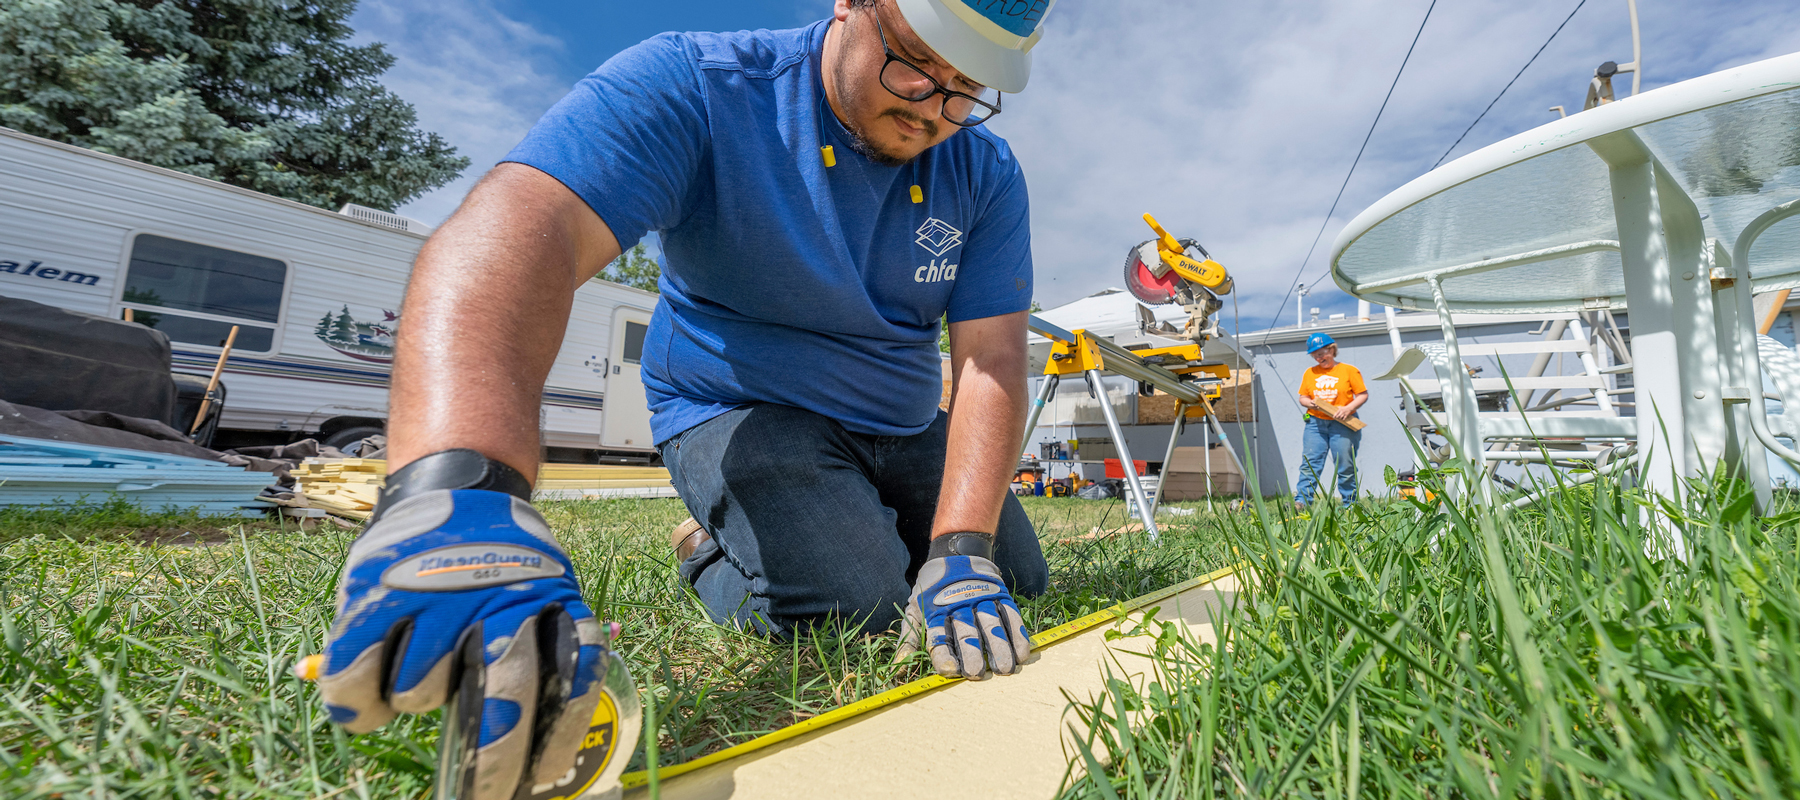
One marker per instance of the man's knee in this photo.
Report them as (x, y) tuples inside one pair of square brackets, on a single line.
[(867, 605), (1029, 580), (1017, 552)]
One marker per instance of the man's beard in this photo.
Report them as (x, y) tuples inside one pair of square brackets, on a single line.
[(861, 143)]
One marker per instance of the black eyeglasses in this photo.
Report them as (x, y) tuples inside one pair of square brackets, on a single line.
[(961, 110)]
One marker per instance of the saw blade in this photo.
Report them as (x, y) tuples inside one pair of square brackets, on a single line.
[(1142, 281)]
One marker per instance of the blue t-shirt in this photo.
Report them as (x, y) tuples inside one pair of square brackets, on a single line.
[(785, 281)]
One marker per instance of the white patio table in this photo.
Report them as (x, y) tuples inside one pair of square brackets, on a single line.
[(1674, 205)]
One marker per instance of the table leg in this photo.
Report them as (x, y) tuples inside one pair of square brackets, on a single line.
[(1460, 406), (1680, 410), (1743, 452)]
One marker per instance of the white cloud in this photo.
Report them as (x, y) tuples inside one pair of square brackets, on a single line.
[(1231, 122), (1235, 122), (475, 76)]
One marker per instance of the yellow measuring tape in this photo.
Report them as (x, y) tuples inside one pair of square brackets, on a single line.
[(1043, 639)]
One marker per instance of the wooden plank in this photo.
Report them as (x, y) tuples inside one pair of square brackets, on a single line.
[(1767, 306), (1352, 423)]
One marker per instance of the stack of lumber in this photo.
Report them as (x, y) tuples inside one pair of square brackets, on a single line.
[(350, 486), (42, 472), (574, 481), (1236, 402), (1196, 473), (345, 486)]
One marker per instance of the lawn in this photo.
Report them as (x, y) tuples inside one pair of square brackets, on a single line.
[(148, 655), (1559, 652), (1385, 650)]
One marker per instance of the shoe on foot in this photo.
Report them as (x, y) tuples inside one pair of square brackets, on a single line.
[(687, 537)]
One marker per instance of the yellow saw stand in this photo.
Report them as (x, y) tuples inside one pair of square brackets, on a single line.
[(1078, 353)]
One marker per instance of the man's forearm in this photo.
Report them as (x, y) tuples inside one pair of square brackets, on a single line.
[(484, 317), (987, 422)]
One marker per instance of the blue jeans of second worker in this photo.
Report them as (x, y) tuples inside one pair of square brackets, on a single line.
[(1324, 436), (811, 521)]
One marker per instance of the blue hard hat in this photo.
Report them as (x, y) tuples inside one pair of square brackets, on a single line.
[(1318, 341)]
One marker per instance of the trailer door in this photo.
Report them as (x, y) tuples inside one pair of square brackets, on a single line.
[(626, 422)]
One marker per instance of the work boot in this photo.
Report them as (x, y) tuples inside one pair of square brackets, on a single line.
[(687, 537)]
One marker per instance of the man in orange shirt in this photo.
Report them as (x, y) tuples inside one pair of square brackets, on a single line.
[(1341, 386)]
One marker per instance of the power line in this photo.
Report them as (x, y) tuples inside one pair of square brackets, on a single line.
[(1490, 106), (1509, 84), (1359, 154)]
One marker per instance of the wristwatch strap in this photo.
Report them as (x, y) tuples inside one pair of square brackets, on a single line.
[(451, 469), (963, 543)]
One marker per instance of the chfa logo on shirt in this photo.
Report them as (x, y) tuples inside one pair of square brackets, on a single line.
[(938, 238)]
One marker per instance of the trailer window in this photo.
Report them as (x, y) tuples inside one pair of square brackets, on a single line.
[(634, 342), (195, 293)]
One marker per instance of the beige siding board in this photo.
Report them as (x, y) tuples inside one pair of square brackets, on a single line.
[(1007, 737)]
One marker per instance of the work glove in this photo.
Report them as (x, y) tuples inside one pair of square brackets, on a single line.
[(959, 593), (437, 572)]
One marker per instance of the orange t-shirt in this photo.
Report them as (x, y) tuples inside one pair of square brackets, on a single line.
[(1337, 386)]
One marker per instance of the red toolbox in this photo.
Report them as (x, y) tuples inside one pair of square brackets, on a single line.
[(1114, 469)]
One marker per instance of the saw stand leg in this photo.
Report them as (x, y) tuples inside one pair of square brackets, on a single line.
[(1212, 419), (1212, 423), (1037, 409), (1169, 455), (1147, 513)]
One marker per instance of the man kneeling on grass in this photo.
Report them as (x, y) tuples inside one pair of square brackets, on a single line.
[(824, 196)]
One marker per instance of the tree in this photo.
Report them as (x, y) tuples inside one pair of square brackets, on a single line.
[(344, 329), (634, 268), (269, 95)]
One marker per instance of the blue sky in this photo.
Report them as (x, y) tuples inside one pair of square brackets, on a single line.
[(1231, 122)]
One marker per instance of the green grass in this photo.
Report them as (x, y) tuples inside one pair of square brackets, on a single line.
[(120, 519), (1391, 650), (1381, 651), (134, 663)]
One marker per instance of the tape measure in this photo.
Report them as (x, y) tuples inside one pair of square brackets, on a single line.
[(1043, 639)]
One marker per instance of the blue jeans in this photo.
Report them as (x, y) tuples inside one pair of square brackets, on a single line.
[(1327, 436), (810, 521)]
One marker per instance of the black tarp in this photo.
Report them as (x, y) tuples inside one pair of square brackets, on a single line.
[(101, 428), (63, 360), (107, 429)]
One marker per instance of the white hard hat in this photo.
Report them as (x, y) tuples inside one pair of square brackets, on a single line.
[(988, 40)]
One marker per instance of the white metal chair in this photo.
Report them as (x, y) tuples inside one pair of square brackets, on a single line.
[(1555, 417)]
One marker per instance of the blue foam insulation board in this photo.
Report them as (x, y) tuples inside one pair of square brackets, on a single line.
[(41, 472)]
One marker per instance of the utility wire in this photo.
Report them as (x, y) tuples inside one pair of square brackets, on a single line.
[(1490, 106), (1509, 84), (1359, 154)]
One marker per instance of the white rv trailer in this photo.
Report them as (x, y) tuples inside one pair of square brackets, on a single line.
[(315, 295)]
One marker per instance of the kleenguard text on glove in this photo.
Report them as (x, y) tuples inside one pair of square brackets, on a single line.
[(468, 566), (967, 590)]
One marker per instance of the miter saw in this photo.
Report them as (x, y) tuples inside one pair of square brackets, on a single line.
[(1160, 272)]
